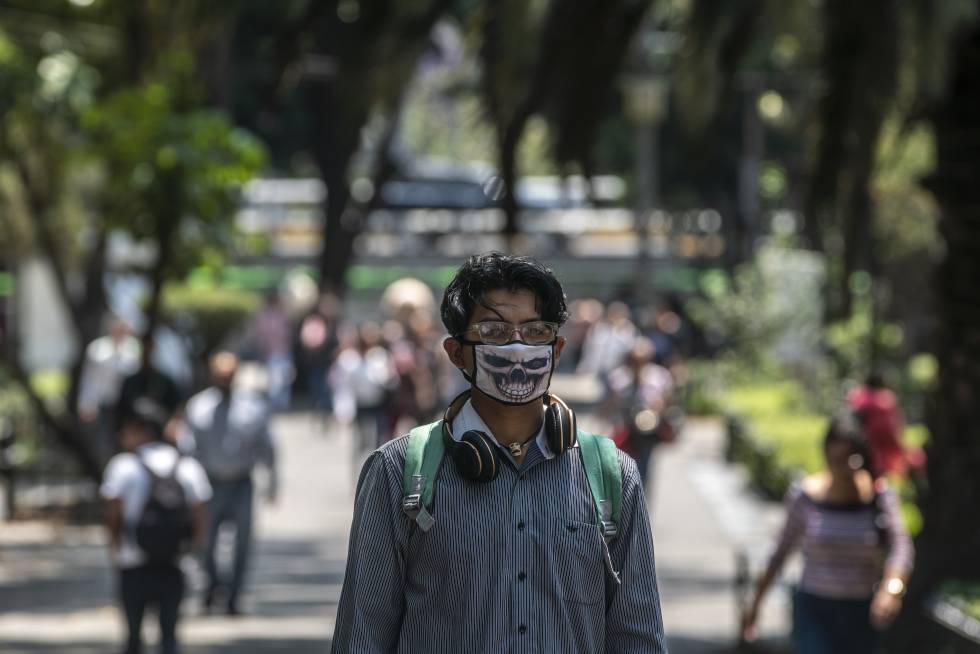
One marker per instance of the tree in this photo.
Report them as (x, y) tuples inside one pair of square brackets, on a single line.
[(919, 63), (325, 68), (950, 539), (109, 138)]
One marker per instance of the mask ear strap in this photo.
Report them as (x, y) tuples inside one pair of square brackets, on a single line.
[(466, 375)]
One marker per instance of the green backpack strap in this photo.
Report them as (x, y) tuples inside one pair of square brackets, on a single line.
[(601, 460), (422, 461)]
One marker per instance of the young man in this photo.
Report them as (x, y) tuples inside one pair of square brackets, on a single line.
[(127, 489), (515, 561), (229, 430)]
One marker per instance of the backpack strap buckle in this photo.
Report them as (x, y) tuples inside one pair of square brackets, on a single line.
[(412, 501), (608, 525), (422, 461)]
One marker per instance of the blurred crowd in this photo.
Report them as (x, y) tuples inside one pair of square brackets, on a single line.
[(387, 373)]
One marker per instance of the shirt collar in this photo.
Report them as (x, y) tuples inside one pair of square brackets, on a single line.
[(468, 419)]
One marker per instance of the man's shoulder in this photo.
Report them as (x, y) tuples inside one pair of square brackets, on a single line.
[(393, 452), (122, 463), (207, 396), (122, 471)]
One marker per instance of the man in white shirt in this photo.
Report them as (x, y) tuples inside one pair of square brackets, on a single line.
[(126, 488), (108, 361)]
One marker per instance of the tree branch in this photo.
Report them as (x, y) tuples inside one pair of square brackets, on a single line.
[(39, 209), (62, 432)]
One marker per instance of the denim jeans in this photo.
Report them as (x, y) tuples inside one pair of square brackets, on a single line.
[(832, 626), (230, 504)]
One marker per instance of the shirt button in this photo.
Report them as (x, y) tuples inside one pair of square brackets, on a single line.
[(522, 629), (520, 526), (521, 576)]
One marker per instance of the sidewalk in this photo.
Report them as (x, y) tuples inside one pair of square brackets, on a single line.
[(701, 515), (56, 590)]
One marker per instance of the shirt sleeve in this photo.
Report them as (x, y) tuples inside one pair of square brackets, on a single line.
[(633, 619), (372, 601), (195, 480), (118, 477), (793, 529), (901, 552)]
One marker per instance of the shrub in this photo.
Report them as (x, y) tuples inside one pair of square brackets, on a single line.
[(213, 314)]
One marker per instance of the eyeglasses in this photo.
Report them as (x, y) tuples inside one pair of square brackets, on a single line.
[(538, 332)]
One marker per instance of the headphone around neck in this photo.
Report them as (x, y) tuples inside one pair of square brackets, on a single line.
[(475, 455)]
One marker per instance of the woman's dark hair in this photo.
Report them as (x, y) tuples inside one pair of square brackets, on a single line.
[(875, 380), (846, 428), (489, 272)]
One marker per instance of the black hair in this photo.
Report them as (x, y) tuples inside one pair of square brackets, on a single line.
[(146, 413), (875, 380), (493, 271), (846, 428)]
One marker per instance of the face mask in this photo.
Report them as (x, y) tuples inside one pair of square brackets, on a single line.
[(513, 374)]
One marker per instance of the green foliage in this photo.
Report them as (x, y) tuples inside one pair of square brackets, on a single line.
[(778, 435), (769, 311), (778, 415), (41, 95), (16, 410), (964, 595), (168, 161), (215, 314)]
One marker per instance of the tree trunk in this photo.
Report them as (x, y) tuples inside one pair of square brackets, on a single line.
[(948, 545), (508, 173), (336, 139), (169, 212)]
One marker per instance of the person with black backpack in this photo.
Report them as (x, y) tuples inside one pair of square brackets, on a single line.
[(156, 513)]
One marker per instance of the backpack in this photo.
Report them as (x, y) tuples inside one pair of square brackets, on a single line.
[(165, 527), (599, 457)]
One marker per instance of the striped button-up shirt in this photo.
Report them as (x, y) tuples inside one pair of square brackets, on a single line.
[(516, 565)]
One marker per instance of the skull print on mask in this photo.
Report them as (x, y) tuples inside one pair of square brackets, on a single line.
[(514, 373)]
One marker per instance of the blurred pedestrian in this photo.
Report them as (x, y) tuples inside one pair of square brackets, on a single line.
[(364, 379), (608, 341), (857, 555), (108, 361), (151, 382), (414, 358), (317, 349), (517, 552), (641, 399), (230, 431), (880, 415), (272, 331), (583, 315), (155, 506)]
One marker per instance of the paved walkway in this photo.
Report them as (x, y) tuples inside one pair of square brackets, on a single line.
[(56, 591), (701, 516)]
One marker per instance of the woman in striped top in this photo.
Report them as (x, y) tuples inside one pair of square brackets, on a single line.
[(856, 553)]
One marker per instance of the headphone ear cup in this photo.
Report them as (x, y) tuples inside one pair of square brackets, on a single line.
[(475, 457), (559, 426)]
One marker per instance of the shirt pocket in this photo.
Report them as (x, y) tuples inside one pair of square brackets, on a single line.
[(578, 561)]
